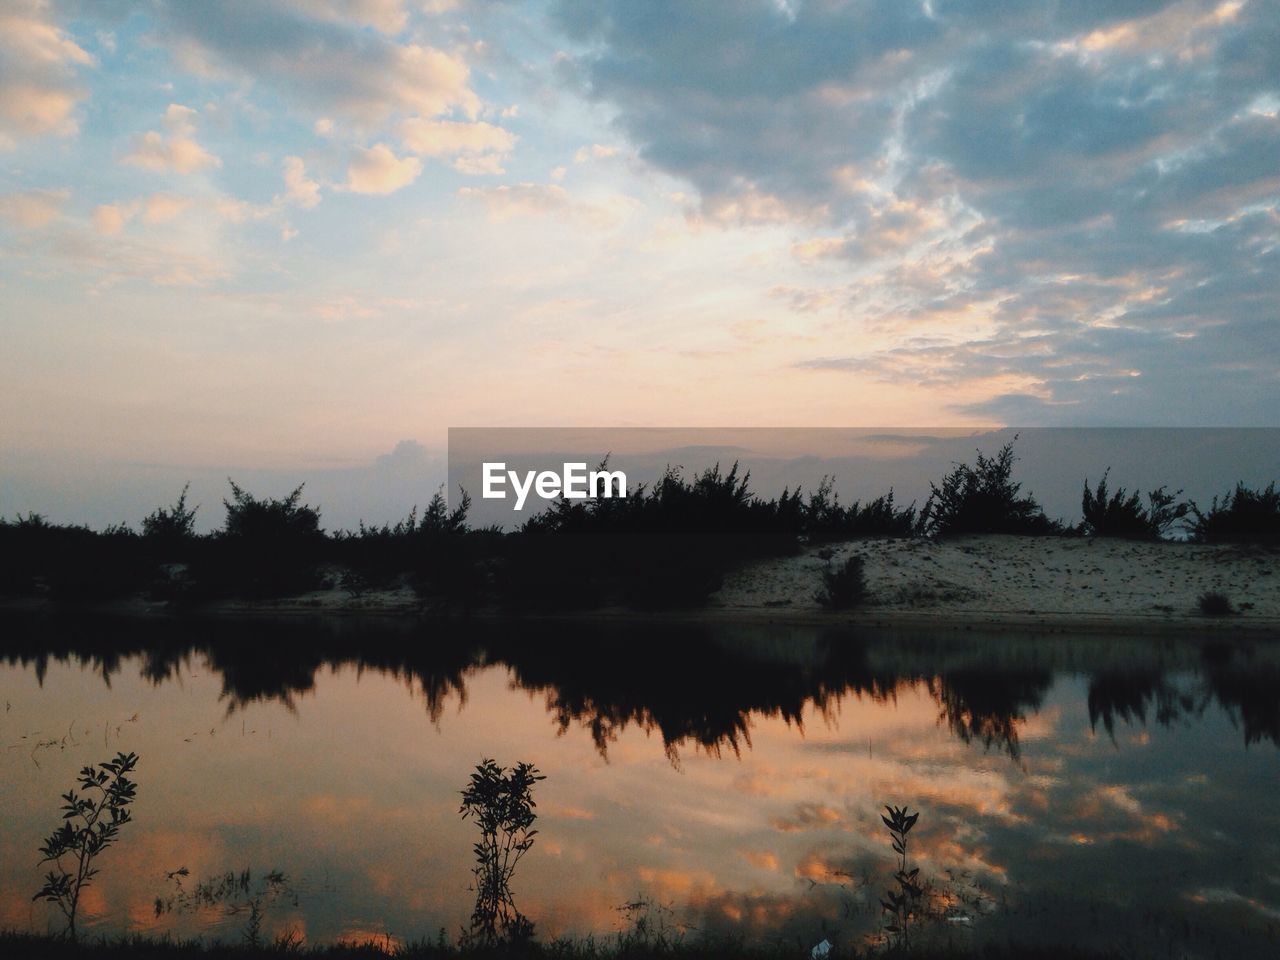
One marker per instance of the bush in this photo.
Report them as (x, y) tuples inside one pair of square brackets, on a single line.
[(1244, 516), (1123, 515), (825, 519), (172, 529), (662, 546), (1214, 604), (267, 548), (69, 562), (984, 499), (844, 586)]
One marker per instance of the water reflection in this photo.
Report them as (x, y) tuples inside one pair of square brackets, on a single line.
[(1068, 786)]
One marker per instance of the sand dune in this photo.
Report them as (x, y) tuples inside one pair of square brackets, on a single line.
[(1002, 578)]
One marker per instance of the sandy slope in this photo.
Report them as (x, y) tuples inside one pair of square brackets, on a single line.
[(1022, 577)]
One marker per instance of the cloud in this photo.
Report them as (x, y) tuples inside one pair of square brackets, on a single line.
[(299, 188), (518, 200), (387, 16), (379, 170), (596, 151), (1071, 207), (477, 147), (39, 86), (320, 56), (109, 219), (163, 207), (33, 209), (178, 152)]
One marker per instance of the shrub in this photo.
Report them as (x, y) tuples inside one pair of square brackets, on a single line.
[(826, 519), (270, 520), (985, 499), (1123, 515), (268, 547), (1243, 516), (501, 803), (91, 822), (844, 586), (69, 562), (1214, 604), (172, 528)]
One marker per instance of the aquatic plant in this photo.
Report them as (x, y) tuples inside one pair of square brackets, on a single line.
[(91, 822), (236, 893), (901, 903), (1122, 514), (500, 801), (843, 586)]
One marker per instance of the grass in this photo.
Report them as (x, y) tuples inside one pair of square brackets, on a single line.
[(20, 946)]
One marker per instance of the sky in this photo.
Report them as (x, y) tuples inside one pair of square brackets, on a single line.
[(301, 235)]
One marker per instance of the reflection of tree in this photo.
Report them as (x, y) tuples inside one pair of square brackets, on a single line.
[(684, 687), (685, 683), (1248, 693), (1127, 697), (989, 705)]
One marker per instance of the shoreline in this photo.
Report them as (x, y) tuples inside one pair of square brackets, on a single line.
[(988, 583)]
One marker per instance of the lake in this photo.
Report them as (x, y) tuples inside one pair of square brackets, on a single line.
[(700, 779)]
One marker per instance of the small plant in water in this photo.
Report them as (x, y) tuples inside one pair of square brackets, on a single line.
[(500, 801), (901, 903), (238, 895), (91, 821)]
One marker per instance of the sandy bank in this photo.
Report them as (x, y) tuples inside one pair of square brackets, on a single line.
[(1024, 581), (988, 583)]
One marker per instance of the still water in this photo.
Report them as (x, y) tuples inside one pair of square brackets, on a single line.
[(1104, 791)]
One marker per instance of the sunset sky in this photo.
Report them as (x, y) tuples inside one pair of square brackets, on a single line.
[(280, 234)]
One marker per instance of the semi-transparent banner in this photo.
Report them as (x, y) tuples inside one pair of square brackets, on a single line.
[(511, 474)]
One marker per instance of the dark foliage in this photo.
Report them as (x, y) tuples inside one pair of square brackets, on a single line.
[(500, 802), (91, 822), (843, 586), (268, 547), (1214, 604), (1243, 516), (22, 946), (170, 531), (825, 519), (1122, 514), (70, 563), (662, 546), (984, 498)]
